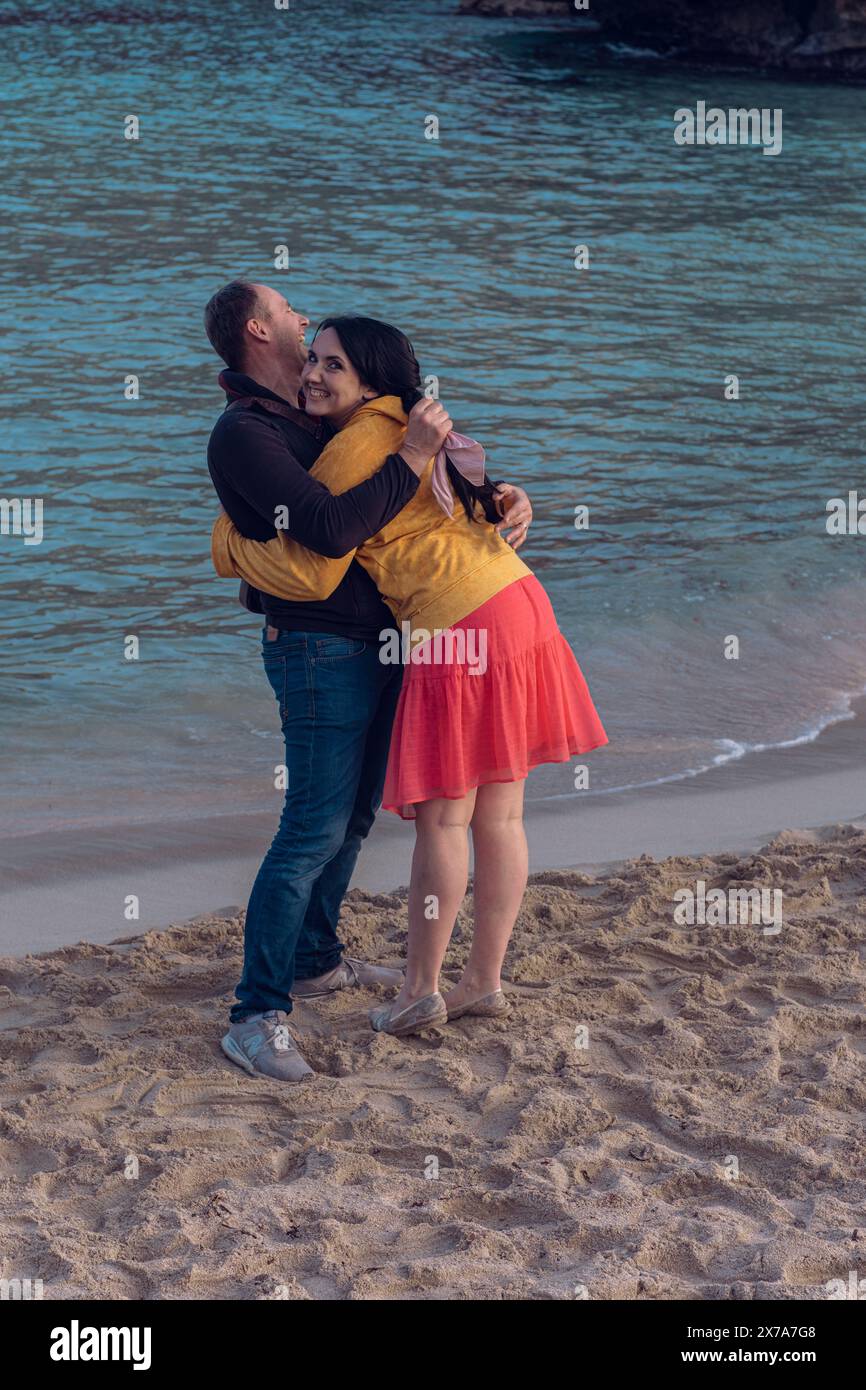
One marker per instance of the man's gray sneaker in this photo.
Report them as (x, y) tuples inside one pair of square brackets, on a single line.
[(263, 1044), (349, 974)]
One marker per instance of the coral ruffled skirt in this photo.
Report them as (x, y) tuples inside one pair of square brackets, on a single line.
[(501, 693)]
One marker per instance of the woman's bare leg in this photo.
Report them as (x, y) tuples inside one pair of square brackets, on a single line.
[(440, 872), (501, 869)]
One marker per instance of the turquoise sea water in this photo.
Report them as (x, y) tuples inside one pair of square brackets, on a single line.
[(602, 386)]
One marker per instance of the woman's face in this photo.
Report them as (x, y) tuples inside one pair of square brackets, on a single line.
[(331, 386)]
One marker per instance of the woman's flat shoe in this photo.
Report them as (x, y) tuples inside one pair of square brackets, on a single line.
[(490, 1006), (424, 1013)]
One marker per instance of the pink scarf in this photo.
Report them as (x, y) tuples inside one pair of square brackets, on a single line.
[(467, 455)]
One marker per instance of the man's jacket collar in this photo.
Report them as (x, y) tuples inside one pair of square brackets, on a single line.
[(241, 390)]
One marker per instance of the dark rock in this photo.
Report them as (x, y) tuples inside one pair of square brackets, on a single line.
[(799, 36)]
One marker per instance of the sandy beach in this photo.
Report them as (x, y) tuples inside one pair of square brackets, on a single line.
[(706, 1143)]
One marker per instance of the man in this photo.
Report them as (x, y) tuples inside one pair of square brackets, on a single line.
[(336, 698)]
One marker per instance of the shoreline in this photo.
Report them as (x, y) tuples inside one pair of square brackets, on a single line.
[(65, 886)]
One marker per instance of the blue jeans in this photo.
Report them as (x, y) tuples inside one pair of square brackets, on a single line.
[(337, 702)]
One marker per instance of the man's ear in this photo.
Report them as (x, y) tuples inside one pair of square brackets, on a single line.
[(258, 329)]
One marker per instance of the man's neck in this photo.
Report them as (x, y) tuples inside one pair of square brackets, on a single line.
[(279, 377)]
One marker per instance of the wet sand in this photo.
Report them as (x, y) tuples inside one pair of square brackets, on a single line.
[(71, 884)]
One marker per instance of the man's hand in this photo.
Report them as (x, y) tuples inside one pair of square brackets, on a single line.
[(429, 423), (515, 508)]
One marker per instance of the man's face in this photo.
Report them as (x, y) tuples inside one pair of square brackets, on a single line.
[(285, 326)]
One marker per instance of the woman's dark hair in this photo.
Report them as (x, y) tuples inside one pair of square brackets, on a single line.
[(384, 358)]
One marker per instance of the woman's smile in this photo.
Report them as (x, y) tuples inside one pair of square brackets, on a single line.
[(327, 359)]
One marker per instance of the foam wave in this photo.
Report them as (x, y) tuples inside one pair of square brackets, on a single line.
[(730, 750)]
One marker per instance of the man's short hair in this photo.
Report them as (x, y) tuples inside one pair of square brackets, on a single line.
[(225, 320)]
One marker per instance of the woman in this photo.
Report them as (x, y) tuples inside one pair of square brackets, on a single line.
[(466, 731)]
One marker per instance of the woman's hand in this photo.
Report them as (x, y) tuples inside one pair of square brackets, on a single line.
[(515, 508), (428, 425)]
